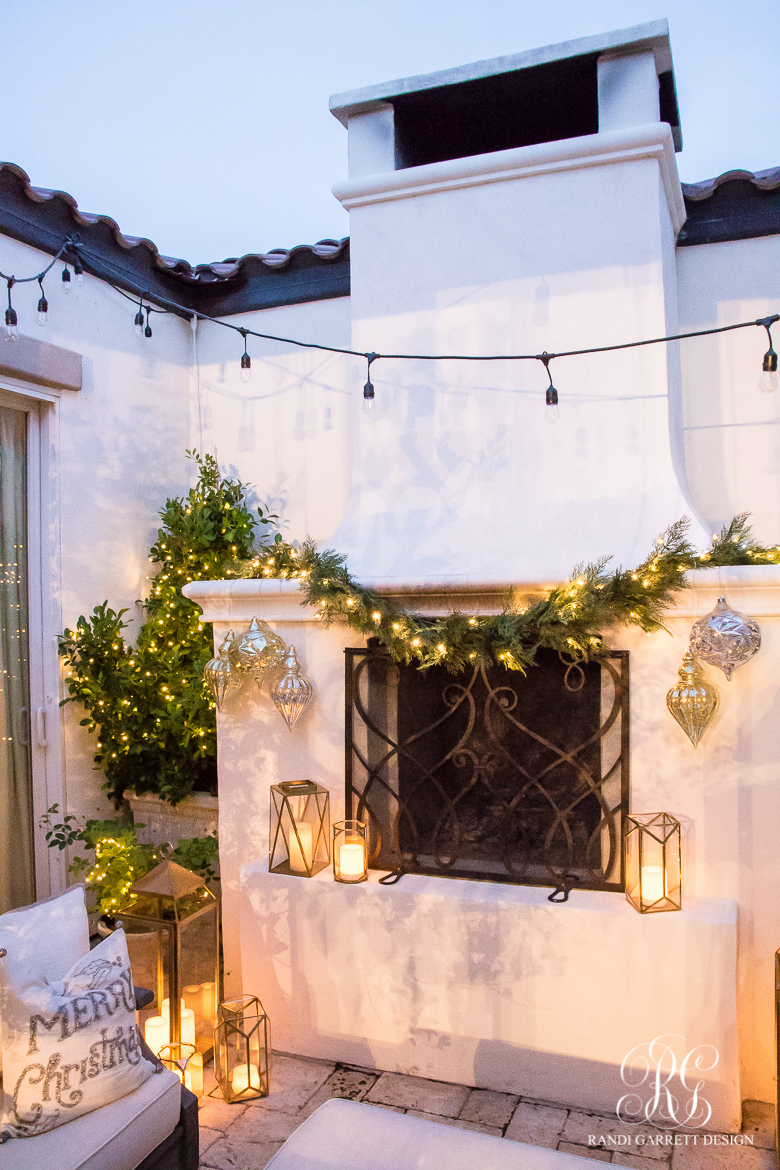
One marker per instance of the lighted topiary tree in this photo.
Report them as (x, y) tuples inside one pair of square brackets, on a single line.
[(153, 715)]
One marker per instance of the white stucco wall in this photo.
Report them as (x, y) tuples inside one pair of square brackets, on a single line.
[(118, 452), (731, 430)]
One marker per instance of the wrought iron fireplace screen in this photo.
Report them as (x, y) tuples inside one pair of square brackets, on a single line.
[(490, 774)]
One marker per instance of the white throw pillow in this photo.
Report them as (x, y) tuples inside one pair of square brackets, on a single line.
[(70, 1045), (46, 938)]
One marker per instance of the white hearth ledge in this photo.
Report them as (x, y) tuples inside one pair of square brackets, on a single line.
[(489, 984), (754, 589)]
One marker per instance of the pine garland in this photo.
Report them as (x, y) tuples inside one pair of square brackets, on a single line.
[(570, 619)]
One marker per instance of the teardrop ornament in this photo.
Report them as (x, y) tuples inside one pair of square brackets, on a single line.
[(692, 701), (725, 638), (220, 673), (260, 649), (291, 691)]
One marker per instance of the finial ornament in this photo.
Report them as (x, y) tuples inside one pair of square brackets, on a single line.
[(692, 701), (291, 691)]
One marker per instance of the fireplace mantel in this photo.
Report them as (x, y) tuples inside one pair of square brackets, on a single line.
[(752, 588)]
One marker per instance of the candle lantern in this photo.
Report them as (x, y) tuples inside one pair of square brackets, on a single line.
[(653, 862), (241, 1046), (349, 851), (186, 1062), (182, 915), (300, 828)]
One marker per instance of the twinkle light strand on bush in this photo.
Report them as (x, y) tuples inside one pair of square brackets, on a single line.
[(74, 252)]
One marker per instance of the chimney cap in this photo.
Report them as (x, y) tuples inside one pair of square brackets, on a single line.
[(653, 36)]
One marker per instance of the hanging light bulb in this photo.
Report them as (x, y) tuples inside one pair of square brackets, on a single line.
[(552, 411), (246, 362), (147, 327), (11, 320), (67, 283), (368, 389), (11, 323), (43, 306), (79, 271), (767, 383), (139, 322)]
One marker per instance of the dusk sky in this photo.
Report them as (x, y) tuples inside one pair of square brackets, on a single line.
[(205, 126)]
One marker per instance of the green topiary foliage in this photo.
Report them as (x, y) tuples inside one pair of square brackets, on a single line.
[(148, 704)]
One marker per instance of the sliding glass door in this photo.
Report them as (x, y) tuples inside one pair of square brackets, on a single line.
[(17, 864)]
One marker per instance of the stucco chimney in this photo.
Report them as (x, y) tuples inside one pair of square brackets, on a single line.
[(518, 205)]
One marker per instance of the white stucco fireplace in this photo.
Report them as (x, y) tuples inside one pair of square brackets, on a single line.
[(459, 494)]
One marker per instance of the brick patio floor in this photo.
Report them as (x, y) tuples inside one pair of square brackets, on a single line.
[(245, 1137)]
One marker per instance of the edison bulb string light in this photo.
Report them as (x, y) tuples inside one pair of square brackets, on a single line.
[(73, 253)]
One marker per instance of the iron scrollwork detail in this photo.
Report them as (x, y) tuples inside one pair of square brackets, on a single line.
[(490, 774)]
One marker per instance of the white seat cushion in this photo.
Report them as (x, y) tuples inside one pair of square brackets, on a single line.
[(348, 1135), (115, 1137)]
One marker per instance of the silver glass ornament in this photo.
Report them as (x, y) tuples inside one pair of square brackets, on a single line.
[(725, 638), (220, 673), (260, 649), (291, 691)]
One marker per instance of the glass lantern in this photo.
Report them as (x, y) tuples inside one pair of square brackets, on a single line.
[(350, 863), (187, 1063), (179, 915), (653, 862), (300, 828), (241, 1047)]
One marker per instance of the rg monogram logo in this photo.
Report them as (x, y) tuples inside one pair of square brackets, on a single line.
[(672, 1091)]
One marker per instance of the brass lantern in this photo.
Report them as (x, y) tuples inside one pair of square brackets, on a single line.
[(180, 916), (241, 1046), (300, 828), (653, 862)]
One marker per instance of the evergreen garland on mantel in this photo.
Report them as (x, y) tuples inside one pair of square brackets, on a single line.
[(570, 619)]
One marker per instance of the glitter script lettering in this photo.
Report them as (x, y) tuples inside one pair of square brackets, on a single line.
[(666, 1091)]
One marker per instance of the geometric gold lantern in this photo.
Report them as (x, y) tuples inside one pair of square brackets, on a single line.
[(653, 862), (241, 1048), (299, 836), (692, 701), (180, 915)]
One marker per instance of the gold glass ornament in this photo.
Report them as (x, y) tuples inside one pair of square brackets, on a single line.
[(725, 638), (692, 701), (291, 691), (220, 673), (260, 649)]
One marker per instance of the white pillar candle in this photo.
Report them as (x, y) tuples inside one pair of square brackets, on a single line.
[(209, 1001), (157, 1033), (246, 1076), (188, 1026), (351, 860), (300, 855), (187, 1022), (193, 1075), (652, 883)]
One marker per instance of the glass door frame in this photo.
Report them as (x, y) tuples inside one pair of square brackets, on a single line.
[(45, 618)]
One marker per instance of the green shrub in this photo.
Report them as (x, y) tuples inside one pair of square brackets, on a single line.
[(152, 714)]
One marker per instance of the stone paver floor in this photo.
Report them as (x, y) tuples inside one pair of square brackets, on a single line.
[(245, 1137)]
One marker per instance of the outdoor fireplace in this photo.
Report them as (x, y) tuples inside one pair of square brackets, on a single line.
[(489, 773)]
